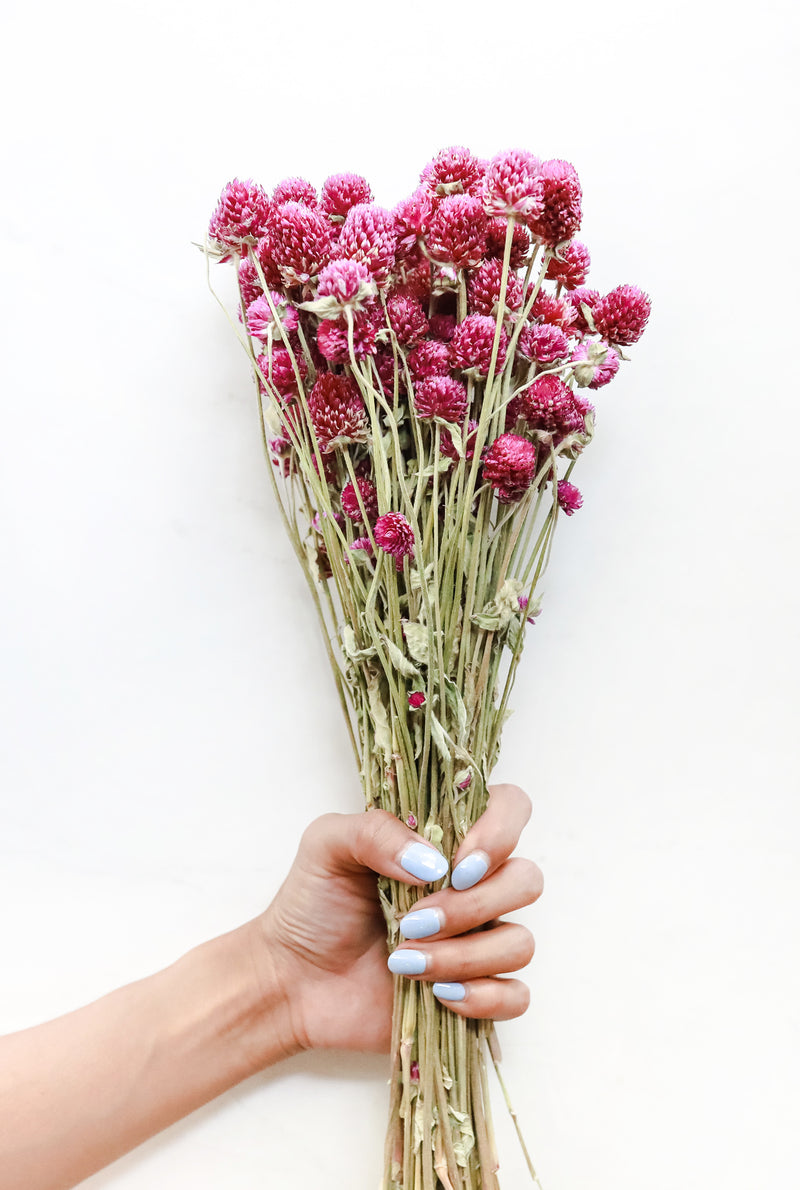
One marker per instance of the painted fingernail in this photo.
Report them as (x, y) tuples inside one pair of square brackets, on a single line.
[(421, 923), (407, 962), (449, 991), (423, 862), (472, 868)]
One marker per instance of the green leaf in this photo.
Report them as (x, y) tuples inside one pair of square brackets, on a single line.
[(399, 660), (455, 435)]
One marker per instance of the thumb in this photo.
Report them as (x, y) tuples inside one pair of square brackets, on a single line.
[(374, 841)]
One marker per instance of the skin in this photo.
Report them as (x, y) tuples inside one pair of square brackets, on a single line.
[(308, 973)]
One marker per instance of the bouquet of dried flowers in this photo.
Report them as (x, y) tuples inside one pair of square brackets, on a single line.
[(422, 378)]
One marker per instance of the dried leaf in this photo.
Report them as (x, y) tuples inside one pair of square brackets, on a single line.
[(417, 640), (380, 719), (455, 704), (399, 660), (351, 648)]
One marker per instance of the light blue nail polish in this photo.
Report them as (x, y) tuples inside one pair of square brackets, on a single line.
[(472, 868), (424, 862), (449, 991), (421, 923), (407, 962)]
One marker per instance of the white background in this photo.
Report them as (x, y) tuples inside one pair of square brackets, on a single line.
[(167, 724)]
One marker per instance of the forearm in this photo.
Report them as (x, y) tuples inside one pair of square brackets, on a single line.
[(81, 1090)]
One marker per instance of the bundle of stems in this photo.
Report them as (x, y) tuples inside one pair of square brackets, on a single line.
[(422, 419)]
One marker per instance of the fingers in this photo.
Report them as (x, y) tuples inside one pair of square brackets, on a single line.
[(506, 947), (493, 837), (375, 841), (517, 883), (485, 999)]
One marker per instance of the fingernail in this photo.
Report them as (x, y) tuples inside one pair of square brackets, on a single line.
[(421, 923), (407, 962), (472, 868), (424, 862), (449, 991)]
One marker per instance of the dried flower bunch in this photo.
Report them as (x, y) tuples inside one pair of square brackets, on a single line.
[(423, 376)]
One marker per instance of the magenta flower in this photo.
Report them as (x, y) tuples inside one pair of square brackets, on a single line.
[(558, 311), (622, 315), (394, 535), (369, 498), (443, 326), (341, 192), (496, 242), (283, 377), (337, 412), (471, 346), (510, 467), (407, 319), (241, 215), (261, 322), (483, 289), (300, 241), (294, 190), (431, 358), (249, 280), (543, 342), (447, 446), (457, 233), (513, 185), (572, 266), (362, 543), (369, 235), (569, 497), (416, 699), (595, 369), (550, 405), (412, 219), (583, 297), (333, 339), (440, 396), (560, 217), (453, 171), (342, 284)]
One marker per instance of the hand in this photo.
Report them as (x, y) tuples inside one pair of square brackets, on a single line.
[(324, 936)]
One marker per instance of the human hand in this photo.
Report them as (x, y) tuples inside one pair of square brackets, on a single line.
[(323, 938)]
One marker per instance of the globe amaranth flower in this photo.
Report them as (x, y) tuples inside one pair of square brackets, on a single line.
[(483, 289), (341, 192), (496, 242), (262, 323), (570, 266), (596, 364), (569, 497), (394, 535), (457, 232), (549, 405), (440, 396), (558, 311), (279, 371), (416, 699), (513, 185), (448, 447), (443, 326), (622, 315), (510, 467), (407, 319), (333, 340), (362, 543), (560, 217), (582, 296), (342, 284), (294, 190), (369, 235), (412, 218), (241, 215), (431, 358), (369, 499), (543, 342), (471, 346), (249, 281), (453, 171), (337, 412), (300, 242)]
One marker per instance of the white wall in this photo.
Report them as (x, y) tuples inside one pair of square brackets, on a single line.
[(161, 669)]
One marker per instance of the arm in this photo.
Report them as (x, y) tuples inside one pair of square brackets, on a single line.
[(310, 972)]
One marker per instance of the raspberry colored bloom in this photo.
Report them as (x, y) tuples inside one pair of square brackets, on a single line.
[(471, 346), (249, 280), (622, 315), (513, 185), (348, 283), (447, 446), (550, 405), (300, 241), (561, 214), (412, 822), (510, 466), (431, 358), (583, 297), (341, 192), (412, 219), (407, 319), (496, 242), (241, 215), (282, 375), (571, 269), (369, 235), (334, 343), (337, 412), (557, 311), (569, 497), (483, 289), (440, 396), (261, 322), (594, 369), (443, 326), (394, 534), (416, 699), (453, 171), (457, 233), (369, 498), (266, 260), (294, 190), (543, 342), (413, 273), (362, 543)]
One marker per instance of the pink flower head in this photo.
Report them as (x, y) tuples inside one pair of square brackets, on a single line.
[(294, 190), (412, 822), (414, 1071), (362, 543), (300, 240), (550, 405), (369, 235), (440, 396), (561, 215), (622, 315), (513, 185), (558, 311), (412, 219), (569, 497), (369, 498), (333, 340), (261, 322), (340, 192), (595, 368), (266, 261), (583, 297), (443, 326), (483, 289), (431, 358), (510, 466), (282, 375), (457, 233), (348, 283), (249, 280), (496, 242), (453, 171), (465, 784), (543, 342), (337, 412), (471, 346), (241, 215), (394, 534), (407, 319), (447, 446), (414, 275), (416, 699), (571, 267)]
